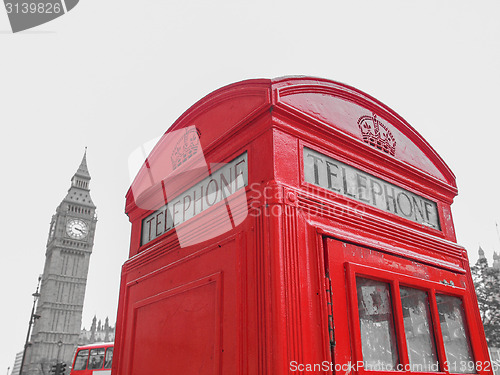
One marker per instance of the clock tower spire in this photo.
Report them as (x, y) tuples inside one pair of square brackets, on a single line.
[(82, 176), (62, 293)]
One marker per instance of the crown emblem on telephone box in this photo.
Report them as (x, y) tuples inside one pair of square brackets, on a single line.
[(376, 134), (186, 147)]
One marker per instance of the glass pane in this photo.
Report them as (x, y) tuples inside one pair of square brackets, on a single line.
[(455, 336), (419, 337), (378, 338), (81, 360), (109, 358), (96, 359)]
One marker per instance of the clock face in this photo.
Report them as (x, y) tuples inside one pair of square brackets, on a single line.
[(77, 229)]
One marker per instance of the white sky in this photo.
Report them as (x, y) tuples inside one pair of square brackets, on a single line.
[(113, 74)]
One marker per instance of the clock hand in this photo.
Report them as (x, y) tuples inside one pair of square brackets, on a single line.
[(79, 230)]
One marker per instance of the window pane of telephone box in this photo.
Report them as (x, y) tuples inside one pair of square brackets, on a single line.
[(456, 341), (376, 321), (418, 330)]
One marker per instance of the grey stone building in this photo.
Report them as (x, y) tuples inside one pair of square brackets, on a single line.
[(17, 364), (62, 292), (98, 332), (496, 257)]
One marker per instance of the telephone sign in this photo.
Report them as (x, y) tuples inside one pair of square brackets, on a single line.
[(351, 182)]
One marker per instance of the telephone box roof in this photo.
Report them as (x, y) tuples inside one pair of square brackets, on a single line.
[(320, 103)]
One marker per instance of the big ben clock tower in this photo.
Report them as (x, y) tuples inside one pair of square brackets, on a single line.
[(62, 292)]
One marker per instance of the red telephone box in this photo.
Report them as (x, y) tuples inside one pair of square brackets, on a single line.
[(295, 225)]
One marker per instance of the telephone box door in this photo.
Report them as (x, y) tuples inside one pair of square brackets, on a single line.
[(391, 313)]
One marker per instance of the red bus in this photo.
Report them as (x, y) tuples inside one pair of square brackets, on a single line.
[(93, 359)]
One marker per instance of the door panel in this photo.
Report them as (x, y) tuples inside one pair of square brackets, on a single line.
[(392, 314)]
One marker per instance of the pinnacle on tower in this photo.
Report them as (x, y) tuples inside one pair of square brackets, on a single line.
[(79, 192), (82, 177), (83, 170), (496, 260), (481, 253)]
